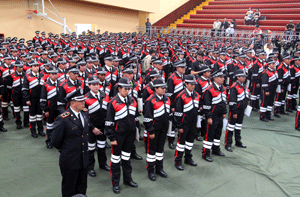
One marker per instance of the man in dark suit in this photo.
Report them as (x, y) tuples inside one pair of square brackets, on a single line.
[(70, 137), (224, 25)]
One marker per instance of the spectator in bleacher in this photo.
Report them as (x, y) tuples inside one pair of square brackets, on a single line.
[(230, 30), (249, 17), (148, 26), (216, 28), (297, 28), (234, 23), (224, 25), (290, 28), (268, 41), (256, 17)]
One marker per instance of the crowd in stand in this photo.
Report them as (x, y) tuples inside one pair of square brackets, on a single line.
[(178, 83)]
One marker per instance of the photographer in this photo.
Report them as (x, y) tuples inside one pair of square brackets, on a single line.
[(289, 29)]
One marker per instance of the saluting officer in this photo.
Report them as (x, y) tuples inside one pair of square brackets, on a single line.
[(156, 116), (238, 101), (120, 127), (70, 137)]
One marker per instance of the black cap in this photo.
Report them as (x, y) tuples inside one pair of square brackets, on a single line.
[(19, 63), (154, 73), (200, 53), (128, 70), (33, 63), (75, 96), (73, 69), (204, 68), (157, 61), (190, 79), (124, 83), (296, 58), (240, 73), (93, 80), (109, 58), (218, 73), (61, 60), (286, 56), (116, 59), (52, 70), (180, 63), (159, 83), (7, 57), (270, 61), (101, 71)]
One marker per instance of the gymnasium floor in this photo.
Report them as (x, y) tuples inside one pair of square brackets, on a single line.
[(270, 166)]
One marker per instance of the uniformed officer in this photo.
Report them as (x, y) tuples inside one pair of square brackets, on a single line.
[(238, 101), (70, 137), (120, 125), (96, 102), (157, 110)]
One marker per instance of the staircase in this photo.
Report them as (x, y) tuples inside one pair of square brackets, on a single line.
[(277, 12)]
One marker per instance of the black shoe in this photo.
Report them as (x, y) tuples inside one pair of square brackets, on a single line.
[(19, 127), (179, 167), (151, 176), (297, 129), (26, 125), (116, 189), (264, 119), (191, 162), (254, 109), (92, 173), (131, 184), (277, 115), (5, 118), (34, 135), (42, 133), (284, 113), (136, 156), (107, 145), (198, 138), (171, 146), (48, 145), (228, 148), (207, 158), (270, 118), (3, 129), (291, 111), (105, 167), (162, 173), (219, 153), (241, 145)]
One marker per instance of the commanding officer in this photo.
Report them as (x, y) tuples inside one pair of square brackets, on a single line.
[(156, 116), (214, 108), (185, 116), (31, 93), (120, 127), (48, 102), (70, 137), (96, 102), (238, 101)]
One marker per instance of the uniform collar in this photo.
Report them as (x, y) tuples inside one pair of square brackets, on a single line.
[(77, 114)]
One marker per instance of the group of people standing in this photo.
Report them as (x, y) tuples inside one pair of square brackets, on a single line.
[(88, 88)]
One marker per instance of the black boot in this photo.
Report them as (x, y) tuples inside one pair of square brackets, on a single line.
[(171, 142), (40, 128), (33, 129)]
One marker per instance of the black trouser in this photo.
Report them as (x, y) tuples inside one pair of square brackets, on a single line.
[(291, 99), (280, 100), (73, 181), (53, 113), (213, 135), (267, 102), (297, 122), (35, 116), (6, 97), (121, 151), (185, 142), (18, 101), (234, 125), (171, 135), (99, 141), (155, 154), (255, 96), (145, 141)]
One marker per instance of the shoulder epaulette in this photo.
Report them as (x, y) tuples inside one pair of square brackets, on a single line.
[(66, 114)]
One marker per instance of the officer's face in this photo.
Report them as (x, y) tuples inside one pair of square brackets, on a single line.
[(19, 69), (181, 56), (8, 62), (89, 65), (124, 91), (108, 63), (199, 58), (116, 63), (206, 74), (159, 66), (160, 91), (272, 66), (297, 62), (35, 69), (82, 68), (73, 76), (78, 105), (222, 57), (219, 80), (241, 79), (53, 76), (101, 77), (190, 87), (128, 76), (94, 87), (287, 61)]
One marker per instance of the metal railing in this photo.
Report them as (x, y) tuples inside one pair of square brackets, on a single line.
[(196, 32)]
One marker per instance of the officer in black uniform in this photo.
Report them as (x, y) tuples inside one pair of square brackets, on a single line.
[(70, 137)]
